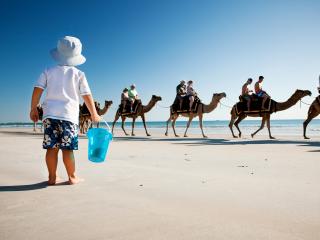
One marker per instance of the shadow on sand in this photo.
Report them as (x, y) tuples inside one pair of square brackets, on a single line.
[(29, 187), (220, 141)]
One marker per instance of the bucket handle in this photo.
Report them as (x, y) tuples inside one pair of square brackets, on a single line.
[(103, 120), (109, 129)]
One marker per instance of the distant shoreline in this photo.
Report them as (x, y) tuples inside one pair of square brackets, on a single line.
[(178, 121), (291, 127)]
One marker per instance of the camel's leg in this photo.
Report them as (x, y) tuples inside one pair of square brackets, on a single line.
[(123, 119), (263, 121), (240, 118), (268, 126), (34, 126), (188, 124), (201, 127), (232, 120), (132, 128), (174, 119), (144, 124), (114, 121), (87, 125), (169, 120), (80, 125), (312, 113)]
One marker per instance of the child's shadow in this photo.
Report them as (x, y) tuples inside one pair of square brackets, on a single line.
[(29, 187)]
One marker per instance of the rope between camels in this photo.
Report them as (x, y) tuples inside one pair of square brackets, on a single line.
[(162, 106), (308, 104), (222, 104)]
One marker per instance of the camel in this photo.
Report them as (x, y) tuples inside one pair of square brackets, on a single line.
[(141, 110), (202, 108), (275, 107), (314, 110), (85, 118)]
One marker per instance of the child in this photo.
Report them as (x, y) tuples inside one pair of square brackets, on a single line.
[(64, 85)]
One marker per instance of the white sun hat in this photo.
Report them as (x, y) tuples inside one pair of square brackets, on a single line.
[(68, 51)]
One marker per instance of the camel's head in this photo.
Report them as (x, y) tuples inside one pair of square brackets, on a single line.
[(108, 103), (96, 104), (218, 96), (156, 98), (302, 93)]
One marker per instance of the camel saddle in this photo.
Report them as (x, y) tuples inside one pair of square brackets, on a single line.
[(84, 110), (255, 105), (125, 111), (185, 105)]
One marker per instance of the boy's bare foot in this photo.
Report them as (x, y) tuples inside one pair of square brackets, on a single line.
[(52, 181), (75, 180)]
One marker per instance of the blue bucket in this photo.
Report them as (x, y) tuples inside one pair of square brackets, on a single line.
[(98, 143)]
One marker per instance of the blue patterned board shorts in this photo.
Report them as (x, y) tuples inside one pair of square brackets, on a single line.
[(60, 134)]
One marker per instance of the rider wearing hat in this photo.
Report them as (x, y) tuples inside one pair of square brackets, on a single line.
[(124, 98), (191, 93), (181, 91), (133, 95)]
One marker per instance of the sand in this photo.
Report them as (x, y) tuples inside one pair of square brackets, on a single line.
[(164, 188)]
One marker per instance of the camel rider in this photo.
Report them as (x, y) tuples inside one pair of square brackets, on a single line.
[(246, 92), (319, 85), (259, 92), (181, 93), (191, 94), (133, 95), (124, 98)]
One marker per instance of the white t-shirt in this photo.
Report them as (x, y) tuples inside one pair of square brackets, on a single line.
[(64, 86)]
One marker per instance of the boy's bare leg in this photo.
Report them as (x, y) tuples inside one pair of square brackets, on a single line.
[(69, 163), (52, 162)]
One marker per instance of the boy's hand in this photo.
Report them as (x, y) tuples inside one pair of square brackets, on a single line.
[(34, 115), (95, 118)]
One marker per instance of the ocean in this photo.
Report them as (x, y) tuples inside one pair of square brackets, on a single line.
[(278, 127)]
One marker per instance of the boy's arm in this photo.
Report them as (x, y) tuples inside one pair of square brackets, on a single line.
[(92, 109), (36, 95)]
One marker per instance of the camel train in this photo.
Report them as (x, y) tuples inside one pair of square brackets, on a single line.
[(187, 104), (314, 110), (85, 118), (197, 110), (239, 111), (134, 111)]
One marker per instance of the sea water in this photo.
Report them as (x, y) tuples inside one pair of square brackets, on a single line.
[(278, 127)]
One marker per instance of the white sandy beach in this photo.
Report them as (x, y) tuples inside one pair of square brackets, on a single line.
[(164, 188)]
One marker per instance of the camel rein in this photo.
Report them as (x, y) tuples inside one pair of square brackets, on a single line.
[(308, 104)]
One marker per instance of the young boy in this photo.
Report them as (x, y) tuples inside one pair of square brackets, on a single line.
[(64, 85)]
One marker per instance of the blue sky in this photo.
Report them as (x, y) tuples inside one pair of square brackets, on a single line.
[(156, 43)]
